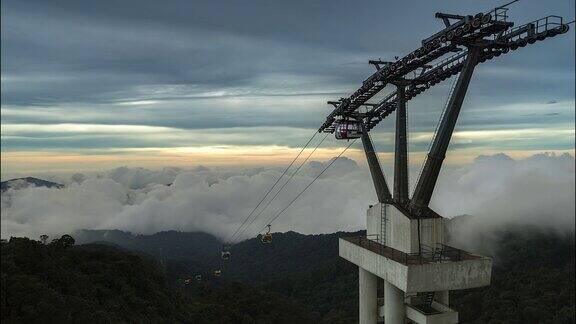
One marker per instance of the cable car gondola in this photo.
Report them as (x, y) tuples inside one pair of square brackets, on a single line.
[(348, 130), (267, 237), (225, 253)]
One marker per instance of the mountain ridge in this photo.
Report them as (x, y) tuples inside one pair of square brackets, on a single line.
[(20, 183)]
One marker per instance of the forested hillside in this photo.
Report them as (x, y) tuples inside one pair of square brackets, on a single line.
[(533, 275), (533, 281), (297, 277), (192, 251), (304, 268), (51, 283)]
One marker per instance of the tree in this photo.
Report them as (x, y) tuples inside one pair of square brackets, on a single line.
[(64, 241), (44, 238)]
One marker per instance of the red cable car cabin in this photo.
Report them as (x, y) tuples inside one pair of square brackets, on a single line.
[(348, 130)]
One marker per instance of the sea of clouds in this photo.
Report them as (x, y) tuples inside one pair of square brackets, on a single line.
[(497, 190)]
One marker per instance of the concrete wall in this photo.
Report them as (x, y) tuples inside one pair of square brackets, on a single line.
[(391, 271), (400, 231), (422, 277), (450, 275), (431, 232), (373, 221)]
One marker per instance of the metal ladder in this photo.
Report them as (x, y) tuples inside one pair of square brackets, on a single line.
[(426, 299), (437, 255), (383, 221)]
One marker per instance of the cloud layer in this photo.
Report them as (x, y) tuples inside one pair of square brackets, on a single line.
[(496, 189)]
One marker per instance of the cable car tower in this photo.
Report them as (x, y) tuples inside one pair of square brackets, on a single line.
[(404, 242)]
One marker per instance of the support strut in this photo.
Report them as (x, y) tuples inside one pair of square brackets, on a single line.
[(401, 149), (378, 178), (431, 170)]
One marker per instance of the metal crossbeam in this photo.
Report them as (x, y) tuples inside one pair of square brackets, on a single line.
[(491, 31)]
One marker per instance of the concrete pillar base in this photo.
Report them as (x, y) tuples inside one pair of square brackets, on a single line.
[(394, 308), (368, 303), (443, 297)]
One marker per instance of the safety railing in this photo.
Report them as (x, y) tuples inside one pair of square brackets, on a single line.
[(428, 254), (533, 28), (498, 14)]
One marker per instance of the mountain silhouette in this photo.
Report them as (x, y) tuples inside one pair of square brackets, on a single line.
[(20, 183)]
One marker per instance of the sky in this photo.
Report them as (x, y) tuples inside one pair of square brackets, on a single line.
[(97, 85)]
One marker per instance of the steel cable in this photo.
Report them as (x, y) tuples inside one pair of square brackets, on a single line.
[(271, 188), (284, 185), (308, 186)]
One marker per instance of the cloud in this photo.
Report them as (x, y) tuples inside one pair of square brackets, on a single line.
[(499, 193), (245, 66), (497, 190), (200, 199)]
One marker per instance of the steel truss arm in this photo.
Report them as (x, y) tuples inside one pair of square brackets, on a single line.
[(401, 149), (378, 178), (427, 181)]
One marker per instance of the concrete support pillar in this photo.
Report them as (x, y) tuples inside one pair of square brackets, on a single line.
[(442, 297), (368, 303), (394, 308)]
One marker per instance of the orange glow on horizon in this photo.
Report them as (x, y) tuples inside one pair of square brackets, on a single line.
[(223, 156)]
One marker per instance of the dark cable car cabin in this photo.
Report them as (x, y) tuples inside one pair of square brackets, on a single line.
[(198, 277), (267, 237), (225, 252), (348, 130)]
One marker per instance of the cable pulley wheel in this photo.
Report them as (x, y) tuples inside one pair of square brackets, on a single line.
[(458, 32), (476, 22), (522, 42)]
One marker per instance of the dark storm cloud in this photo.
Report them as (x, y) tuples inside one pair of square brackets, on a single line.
[(226, 64)]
